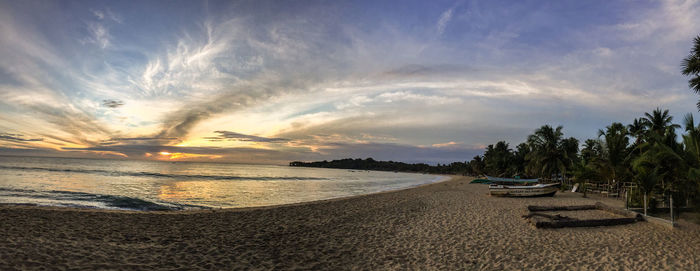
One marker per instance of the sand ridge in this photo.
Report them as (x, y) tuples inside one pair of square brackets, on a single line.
[(447, 225)]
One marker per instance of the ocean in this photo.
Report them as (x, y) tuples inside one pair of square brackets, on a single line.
[(161, 185)]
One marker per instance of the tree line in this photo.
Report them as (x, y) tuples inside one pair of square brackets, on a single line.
[(645, 152), (371, 164)]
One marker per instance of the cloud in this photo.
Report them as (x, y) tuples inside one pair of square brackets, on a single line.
[(112, 103), (99, 35), (447, 144), (444, 20), (415, 71), (330, 150), (228, 135), (140, 140), (229, 70), (317, 79), (223, 154), (99, 14), (106, 14), (17, 138)]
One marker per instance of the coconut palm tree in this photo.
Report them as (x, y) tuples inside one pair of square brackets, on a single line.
[(592, 150), (519, 163), (550, 153), (669, 166), (646, 178), (691, 141), (615, 151), (659, 125), (498, 159), (477, 165), (637, 130), (691, 67)]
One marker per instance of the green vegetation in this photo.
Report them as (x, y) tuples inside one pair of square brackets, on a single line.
[(645, 153), (691, 67), (371, 164)]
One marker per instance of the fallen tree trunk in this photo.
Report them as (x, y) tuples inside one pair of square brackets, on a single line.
[(534, 208), (556, 217), (584, 223), (558, 221), (626, 213)]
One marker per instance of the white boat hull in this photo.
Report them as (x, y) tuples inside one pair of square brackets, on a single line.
[(539, 190)]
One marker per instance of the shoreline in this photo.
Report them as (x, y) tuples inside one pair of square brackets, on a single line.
[(445, 225), (439, 179)]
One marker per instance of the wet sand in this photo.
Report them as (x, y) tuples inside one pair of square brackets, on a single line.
[(449, 225)]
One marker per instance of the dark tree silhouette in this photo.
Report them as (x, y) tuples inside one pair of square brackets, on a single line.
[(691, 67)]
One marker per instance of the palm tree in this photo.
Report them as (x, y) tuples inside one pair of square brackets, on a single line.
[(498, 159), (550, 154), (691, 67), (518, 166), (646, 179), (659, 124), (477, 165), (669, 166), (570, 146), (615, 151), (637, 129), (691, 141), (592, 150)]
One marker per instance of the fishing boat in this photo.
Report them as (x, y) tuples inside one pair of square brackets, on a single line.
[(507, 187), (510, 181)]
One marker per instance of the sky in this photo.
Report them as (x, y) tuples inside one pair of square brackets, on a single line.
[(277, 81)]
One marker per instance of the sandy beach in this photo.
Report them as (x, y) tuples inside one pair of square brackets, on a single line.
[(447, 226)]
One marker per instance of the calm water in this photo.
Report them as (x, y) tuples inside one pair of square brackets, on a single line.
[(152, 185)]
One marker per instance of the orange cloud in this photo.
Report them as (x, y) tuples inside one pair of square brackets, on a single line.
[(182, 155), (446, 144)]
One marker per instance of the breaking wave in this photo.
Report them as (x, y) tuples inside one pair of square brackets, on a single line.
[(159, 175), (81, 199)]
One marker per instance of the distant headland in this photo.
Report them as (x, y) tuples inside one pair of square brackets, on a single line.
[(371, 164)]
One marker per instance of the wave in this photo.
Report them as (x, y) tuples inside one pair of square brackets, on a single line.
[(70, 198), (158, 175)]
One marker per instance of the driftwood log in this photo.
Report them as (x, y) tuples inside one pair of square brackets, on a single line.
[(541, 220), (556, 217), (534, 208), (584, 223)]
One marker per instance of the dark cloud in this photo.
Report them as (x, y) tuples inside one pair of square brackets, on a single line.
[(143, 138), (17, 138), (233, 136), (136, 140), (179, 123), (144, 148), (112, 103), (235, 155), (327, 151), (416, 70), (79, 124)]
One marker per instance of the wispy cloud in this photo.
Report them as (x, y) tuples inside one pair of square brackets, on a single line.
[(233, 136), (444, 19), (112, 103), (17, 138), (106, 14), (322, 84), (99, 35)]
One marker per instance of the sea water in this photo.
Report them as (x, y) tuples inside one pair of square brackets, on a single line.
[(161, 185)]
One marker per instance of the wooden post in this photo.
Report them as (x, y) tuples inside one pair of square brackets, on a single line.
[(627, 199), (645, 203), (671, 201)]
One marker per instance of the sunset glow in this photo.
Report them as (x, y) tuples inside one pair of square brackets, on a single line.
[(430, 82)]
